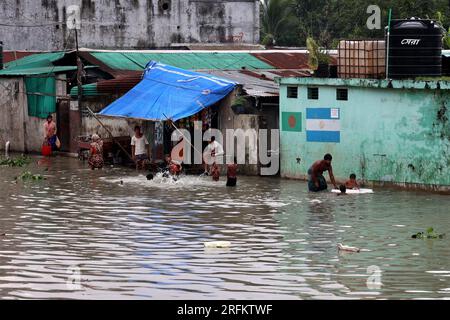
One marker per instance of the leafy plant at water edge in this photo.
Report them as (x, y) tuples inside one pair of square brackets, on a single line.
[(15, 162), (429, 234)]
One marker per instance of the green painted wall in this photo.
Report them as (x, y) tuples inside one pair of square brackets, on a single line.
[(386, 134)]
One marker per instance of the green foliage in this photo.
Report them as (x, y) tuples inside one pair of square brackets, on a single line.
[(15, 162), (429, 234), (277, 21), (315, 56), (239, 101), (327, 21), (268, 40), (27, 175), (447, 39)]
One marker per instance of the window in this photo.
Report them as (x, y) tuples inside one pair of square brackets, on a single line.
[(342, 94), (313, 93), (292, 92)]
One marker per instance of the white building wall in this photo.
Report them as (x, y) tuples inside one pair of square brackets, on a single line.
[(127, 24)]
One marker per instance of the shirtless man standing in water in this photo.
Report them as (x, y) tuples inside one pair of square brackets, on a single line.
[(316, 181)]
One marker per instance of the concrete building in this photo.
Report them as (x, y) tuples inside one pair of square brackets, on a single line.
[(388, 132), (24, 131), (126, 24)]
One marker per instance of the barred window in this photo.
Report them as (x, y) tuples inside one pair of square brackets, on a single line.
[(313, 93), (292, 92), (342, 94)]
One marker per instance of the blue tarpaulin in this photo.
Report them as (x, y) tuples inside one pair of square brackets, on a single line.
[(166, 92)]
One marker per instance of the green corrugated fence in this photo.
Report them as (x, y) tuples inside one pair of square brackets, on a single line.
[(41, 96)]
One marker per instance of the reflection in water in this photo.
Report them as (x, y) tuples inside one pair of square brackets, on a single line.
[(113, 234)]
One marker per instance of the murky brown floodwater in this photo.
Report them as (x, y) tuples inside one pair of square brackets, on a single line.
[(145, 239)]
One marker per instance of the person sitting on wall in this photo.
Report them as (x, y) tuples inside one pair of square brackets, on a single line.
[(352, 184), (316, 180), (140, 149)]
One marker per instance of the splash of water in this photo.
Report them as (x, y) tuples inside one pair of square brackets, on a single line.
[(162, 181)]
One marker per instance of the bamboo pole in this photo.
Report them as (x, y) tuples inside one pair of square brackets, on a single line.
[(111, 135)]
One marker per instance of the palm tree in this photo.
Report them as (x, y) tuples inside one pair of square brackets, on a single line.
[(276, 19)]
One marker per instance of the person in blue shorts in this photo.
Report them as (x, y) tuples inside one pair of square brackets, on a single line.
[(316, 180)]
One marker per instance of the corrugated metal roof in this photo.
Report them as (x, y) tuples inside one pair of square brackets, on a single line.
[(35, 71), (287, 59), (254, 85), (185, 60), (40, 63), (36, 60), (9, 56), (108, 87), (89, 90), (292, 73), (284, 60)]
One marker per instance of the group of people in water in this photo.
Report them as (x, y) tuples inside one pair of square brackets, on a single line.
[(318, 183), (213, 151), (173, 168)]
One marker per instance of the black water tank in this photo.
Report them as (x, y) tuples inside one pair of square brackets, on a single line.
[(415, 49)]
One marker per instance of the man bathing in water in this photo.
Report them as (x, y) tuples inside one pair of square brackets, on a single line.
[(213, 151), (316, 181)]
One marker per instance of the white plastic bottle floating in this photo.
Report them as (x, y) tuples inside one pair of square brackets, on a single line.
[(217, 244), (344, 248)]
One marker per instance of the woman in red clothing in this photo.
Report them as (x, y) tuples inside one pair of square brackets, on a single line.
[(232, 174), (96, 153)]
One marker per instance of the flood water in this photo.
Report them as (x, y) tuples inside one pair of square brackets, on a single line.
[(83, 235)]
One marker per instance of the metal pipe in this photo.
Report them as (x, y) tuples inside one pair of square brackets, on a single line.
[(7, 146), (388, 43)]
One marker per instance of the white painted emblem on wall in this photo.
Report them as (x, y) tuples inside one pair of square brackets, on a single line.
[(374, 21), (334, 113), (74, 106)]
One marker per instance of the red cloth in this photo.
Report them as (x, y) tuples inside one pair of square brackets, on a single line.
[(232, 170)]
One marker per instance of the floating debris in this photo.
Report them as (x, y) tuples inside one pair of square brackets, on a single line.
[(429, 234), (15, 162), (217, 244), (344, 248), (27, 175)]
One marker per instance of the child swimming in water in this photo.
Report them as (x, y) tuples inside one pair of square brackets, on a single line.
[(352, 183), (343, 190), (232, 174), (174, 167), (215, 172)]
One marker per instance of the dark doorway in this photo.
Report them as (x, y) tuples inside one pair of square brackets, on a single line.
[(63, 123)]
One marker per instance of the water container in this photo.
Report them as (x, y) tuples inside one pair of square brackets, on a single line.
[(415, 49), (362, 59), (46, 150)]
